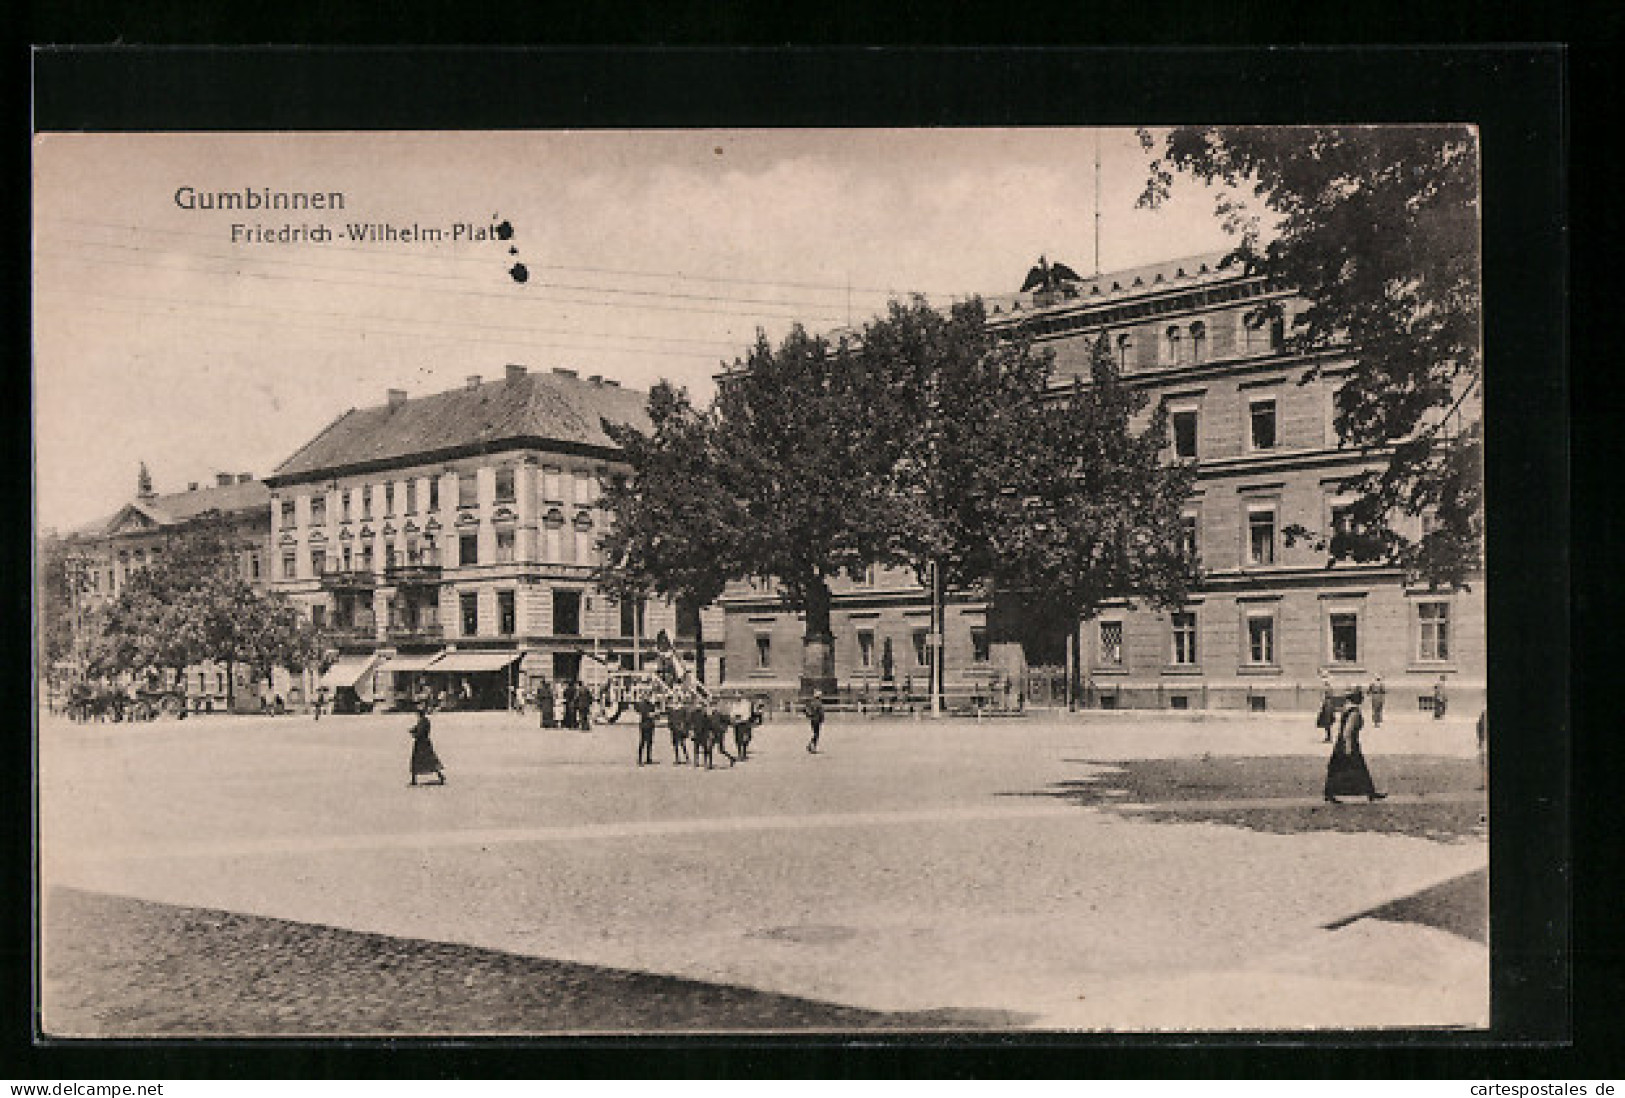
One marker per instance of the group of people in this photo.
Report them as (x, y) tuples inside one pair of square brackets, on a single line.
[(575, 711), (702, 722)]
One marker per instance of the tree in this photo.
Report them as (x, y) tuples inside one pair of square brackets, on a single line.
[(674, 528), (1377, 228)]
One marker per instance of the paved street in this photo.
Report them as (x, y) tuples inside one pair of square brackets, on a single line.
[(1101, 871)]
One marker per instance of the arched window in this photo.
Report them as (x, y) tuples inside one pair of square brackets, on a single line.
[(1172, 347), (1198, 342), (1125, 343)]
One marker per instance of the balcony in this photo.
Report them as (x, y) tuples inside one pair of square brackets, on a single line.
[(422, 572), (428, 632), (348, 579), (361, 633)]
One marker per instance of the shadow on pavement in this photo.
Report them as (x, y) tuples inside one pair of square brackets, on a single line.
[(1459, 905), (1432, 797), (119, 967)]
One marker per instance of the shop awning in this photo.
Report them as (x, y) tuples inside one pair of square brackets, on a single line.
[(474, 661), (348, 671), (408, 664)]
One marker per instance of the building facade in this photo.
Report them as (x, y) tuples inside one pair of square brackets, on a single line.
[(1270, 618), (105, 554), (448, 542)]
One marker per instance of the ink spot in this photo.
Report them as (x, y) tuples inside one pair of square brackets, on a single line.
[(519, 273), (505, 231), (513, 251)]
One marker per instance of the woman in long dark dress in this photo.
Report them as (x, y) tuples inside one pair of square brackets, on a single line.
[(1346, 772), (424, 760)]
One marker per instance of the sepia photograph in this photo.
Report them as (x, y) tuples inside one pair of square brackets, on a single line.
[(546, 582)]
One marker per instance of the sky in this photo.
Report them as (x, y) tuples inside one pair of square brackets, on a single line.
[(648, 255)]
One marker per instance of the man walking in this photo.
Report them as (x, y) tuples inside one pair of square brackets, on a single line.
[(646, 730), (1379, 695), (815, 717), (1438, 699)]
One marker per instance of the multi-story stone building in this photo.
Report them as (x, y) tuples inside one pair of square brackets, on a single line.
[(1270, 618), (449, 541), (106, 553)]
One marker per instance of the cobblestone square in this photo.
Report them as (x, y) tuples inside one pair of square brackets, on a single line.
[(1096, 871)]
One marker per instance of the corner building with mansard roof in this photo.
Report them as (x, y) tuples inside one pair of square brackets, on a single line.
[(449, 540), (1268, 620)]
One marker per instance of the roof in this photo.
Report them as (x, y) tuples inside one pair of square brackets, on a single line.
[(178, 507), (555, 408), (1195, 270)]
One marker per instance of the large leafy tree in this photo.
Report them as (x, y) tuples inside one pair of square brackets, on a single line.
[(1377, 229), (674, 528)]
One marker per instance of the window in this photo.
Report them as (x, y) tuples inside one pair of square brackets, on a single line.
[(290, 566), (551, 489), (1345, 636), (1261, 638), (366, 558), (318, 561), (1260, 537), (1184, 630), (586, 486), (1277, 333), (346, 558), (391, 555), (764, 652), (1173, 349), (1125, 344), (1185, 433), (1198, 342), (254, 566), (366, 502), (344, 506), (288, 513), (389, 498), (318, 510), (504, 546), (470, 603), (1343, 519), (1188, 547), (468, 490), (434, 493), (567, 613), (506, 618), (979, 651), (318, 616), (1111, 644), (866, 649), (468, 549), (632, 617), (921, 639), (412, 496), (1261, 423), (1433, 633), (505, 484)]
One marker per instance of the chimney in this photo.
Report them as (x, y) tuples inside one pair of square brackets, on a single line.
[(473, 381), (222, 479), (565, 371), (245, 478), (191, 486), (397, 397), (515, 372), (595, 379)]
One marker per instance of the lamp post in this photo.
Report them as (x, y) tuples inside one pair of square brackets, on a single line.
[(937, 677)]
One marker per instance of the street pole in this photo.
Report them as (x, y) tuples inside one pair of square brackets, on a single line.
[(937, 677)]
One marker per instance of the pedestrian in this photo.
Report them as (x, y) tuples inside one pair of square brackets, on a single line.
[(1483, 752), (544, 703), (1438, 699), (570, 704), (584, 708), (424, 759), (815, 717), (1379, 696), (744, 719), (1327, 718), (516, 699), (646, 730), (1346, 772), (677, 721), (319, 701)]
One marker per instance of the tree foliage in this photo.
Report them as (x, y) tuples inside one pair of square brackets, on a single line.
[(1377, 229)]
